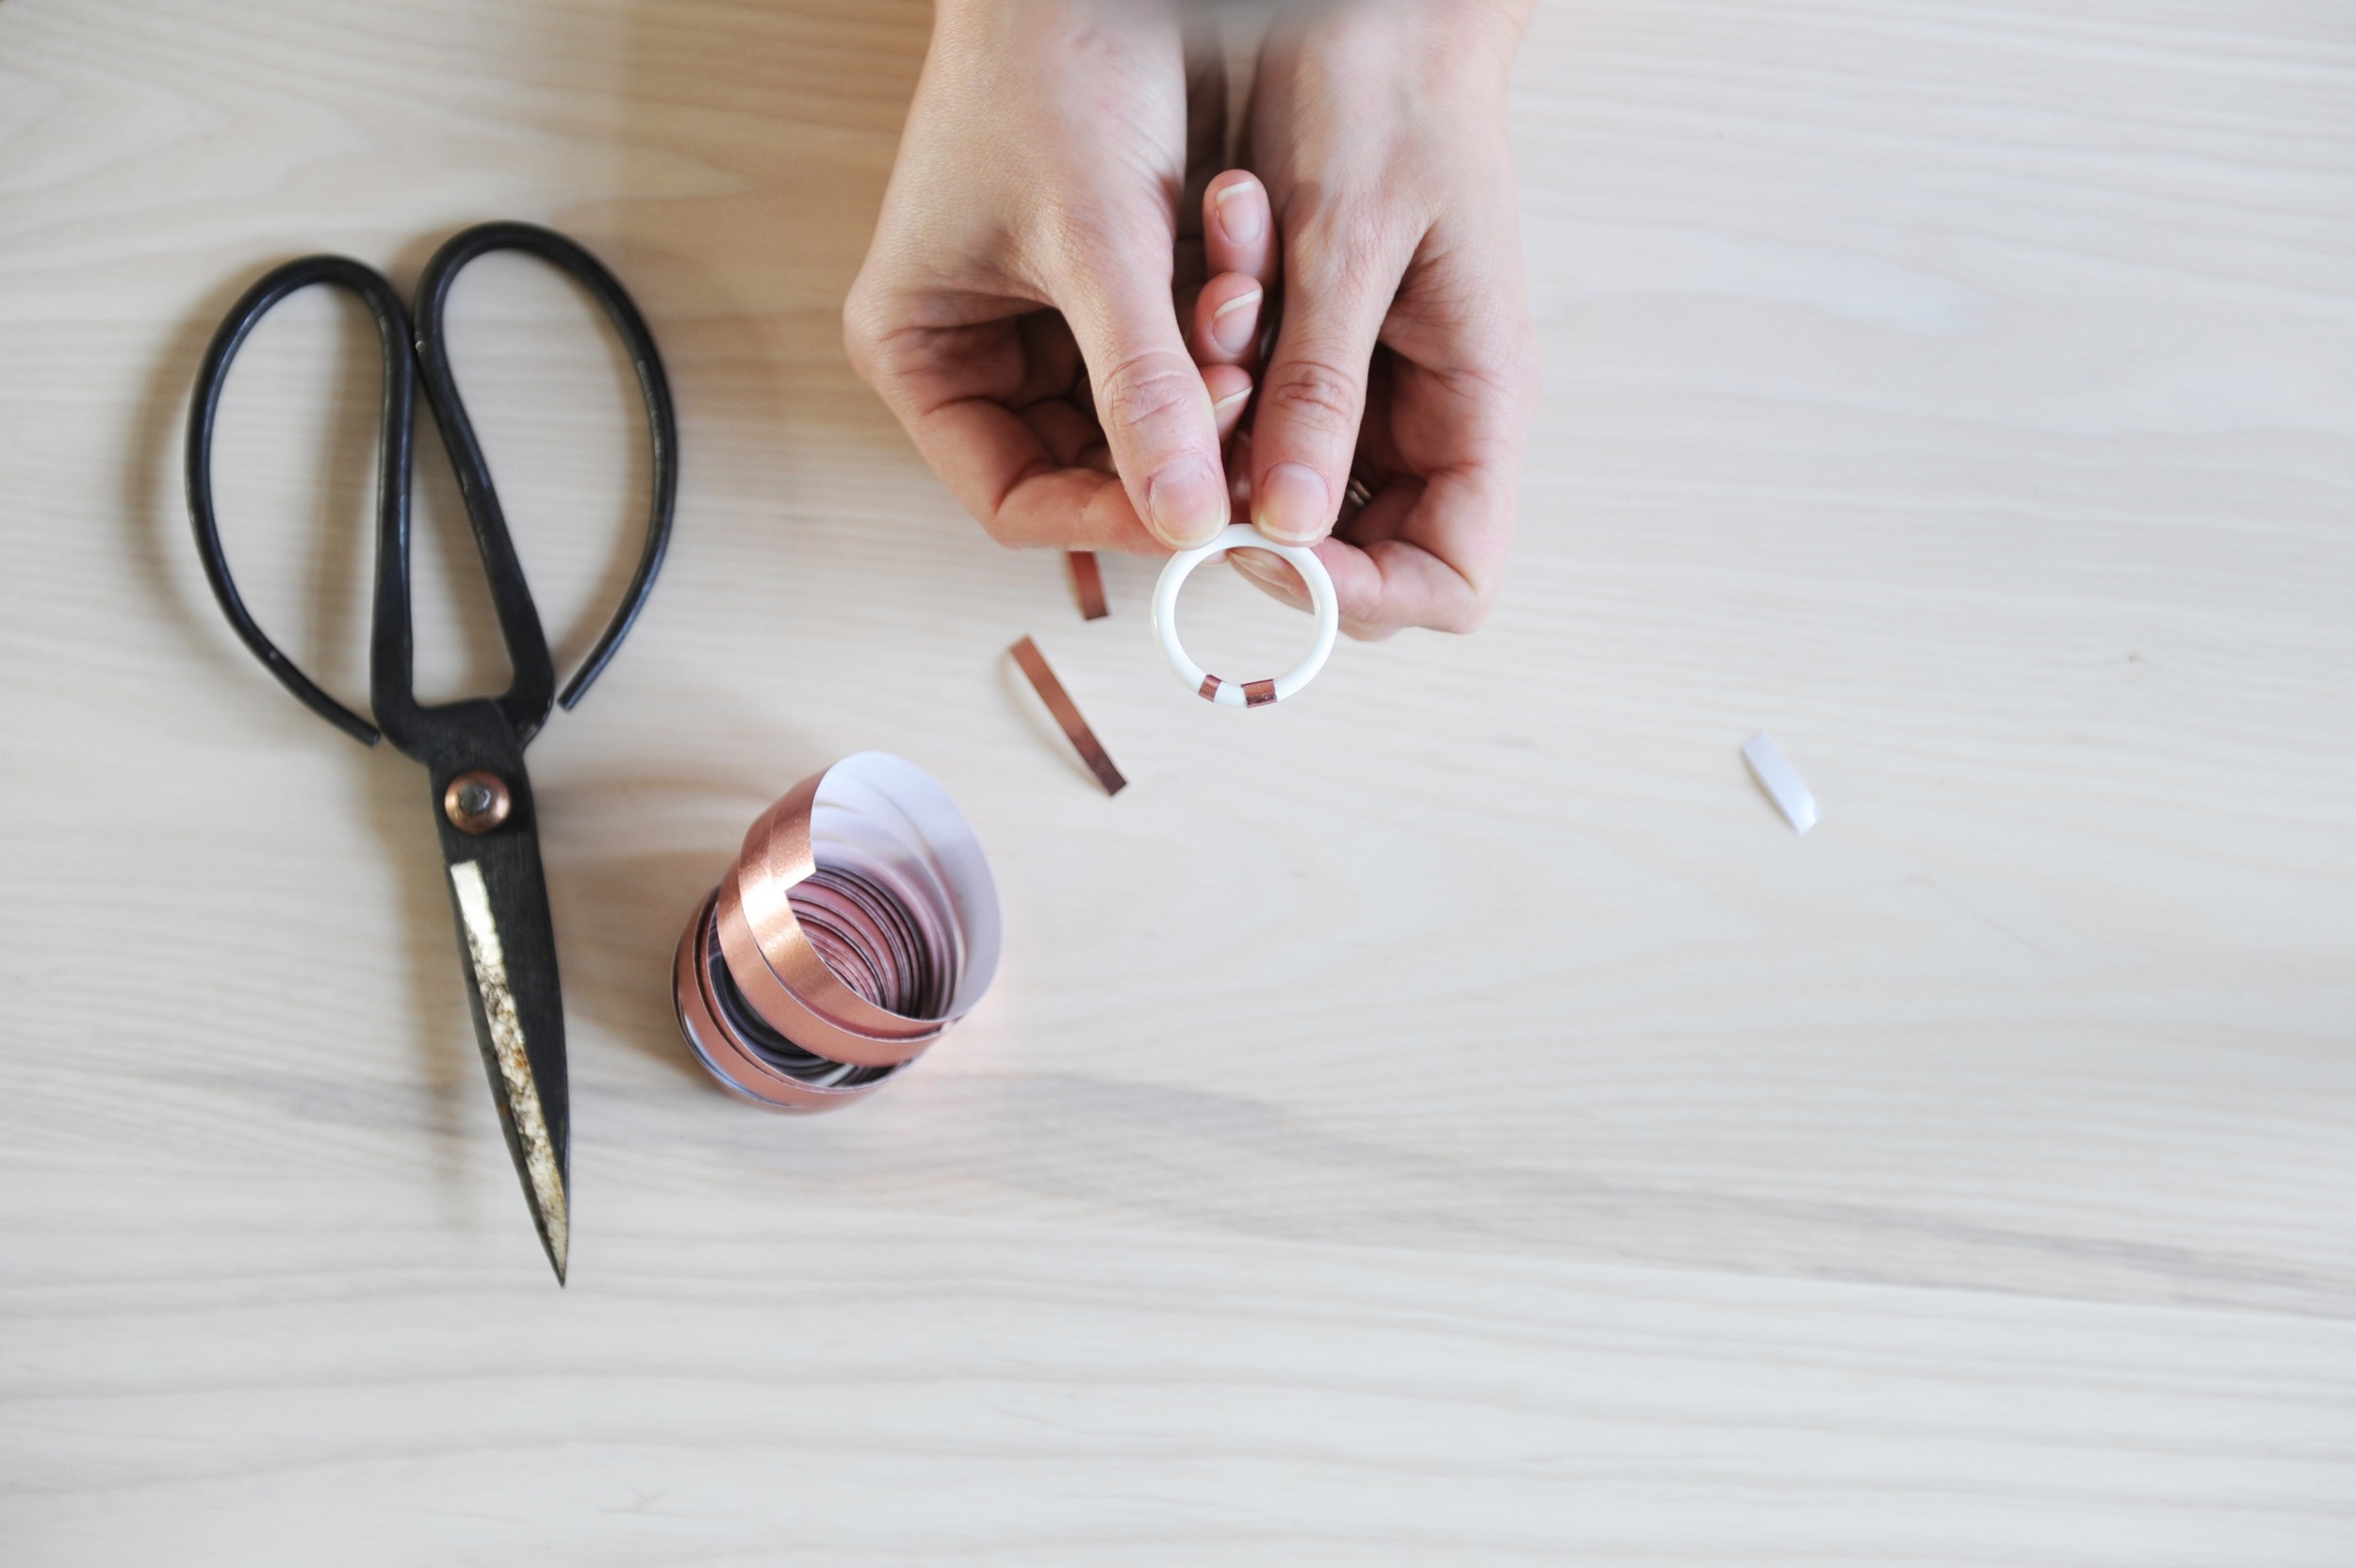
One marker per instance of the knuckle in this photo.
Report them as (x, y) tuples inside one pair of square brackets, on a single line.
[(1011, 518), (1463, 616), (868, 334), (1313, 393), (1146, 389), (1466, 609), (859, 340)]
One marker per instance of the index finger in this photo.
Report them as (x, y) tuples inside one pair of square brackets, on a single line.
[(952, 387), (1423, 553), (1438, 566), (1003, 473)]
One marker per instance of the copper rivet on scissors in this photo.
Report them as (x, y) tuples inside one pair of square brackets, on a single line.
[(476, 802)]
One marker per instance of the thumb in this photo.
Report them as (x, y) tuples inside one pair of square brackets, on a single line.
[(1151, 399), (1312, 400)]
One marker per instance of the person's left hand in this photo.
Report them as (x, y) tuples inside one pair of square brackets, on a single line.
[(1019, 309)]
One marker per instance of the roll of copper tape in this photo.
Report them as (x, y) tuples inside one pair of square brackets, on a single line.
[(760, 1072), (859, 922), (774, 1000)]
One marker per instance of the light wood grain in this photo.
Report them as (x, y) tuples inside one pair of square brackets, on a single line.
[(1449, 1119)]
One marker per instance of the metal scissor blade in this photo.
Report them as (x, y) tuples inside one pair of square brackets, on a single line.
[(509, 950), (534, 1138)]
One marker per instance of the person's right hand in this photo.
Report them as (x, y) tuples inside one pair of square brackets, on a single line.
[(1406, 362), (1016, 308)]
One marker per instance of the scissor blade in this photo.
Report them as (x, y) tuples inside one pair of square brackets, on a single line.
[(508, 947), (513, 1025)]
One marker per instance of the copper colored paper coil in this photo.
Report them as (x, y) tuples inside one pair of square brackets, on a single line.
[(859, 922)]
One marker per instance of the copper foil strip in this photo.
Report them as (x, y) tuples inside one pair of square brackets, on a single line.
[(1066, 715), (1087, 584)]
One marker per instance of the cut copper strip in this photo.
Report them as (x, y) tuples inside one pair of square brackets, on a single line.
[(1087, 584), (1067, 714), (1209, 691), (1258, 692)]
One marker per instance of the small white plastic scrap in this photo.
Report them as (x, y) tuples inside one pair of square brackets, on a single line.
[(1775, 775)]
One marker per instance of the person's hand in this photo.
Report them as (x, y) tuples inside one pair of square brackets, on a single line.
[(1016, 309), (1405, 348)]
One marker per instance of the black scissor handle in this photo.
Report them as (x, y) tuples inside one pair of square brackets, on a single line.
[(527, 701), (408, 346), (392, 479)]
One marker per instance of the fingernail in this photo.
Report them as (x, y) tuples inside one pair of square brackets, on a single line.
[(1233, 323), (1243, 223), (1184, 503), (1232, 399), (1293, 504)]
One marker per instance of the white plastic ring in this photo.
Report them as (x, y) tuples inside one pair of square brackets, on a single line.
[(1242, 693)]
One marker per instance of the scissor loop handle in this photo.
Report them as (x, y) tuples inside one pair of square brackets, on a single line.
[(409, 347), (392, 487), (528, 700)]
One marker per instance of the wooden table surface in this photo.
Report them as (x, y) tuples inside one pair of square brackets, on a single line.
[(1446, 1120)]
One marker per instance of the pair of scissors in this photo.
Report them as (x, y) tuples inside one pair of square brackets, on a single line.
[(472, 749)]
